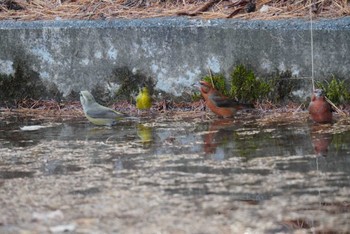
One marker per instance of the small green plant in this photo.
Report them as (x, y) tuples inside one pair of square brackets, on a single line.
[(245, 86), (336, 90), (219, 82), (196, 96)]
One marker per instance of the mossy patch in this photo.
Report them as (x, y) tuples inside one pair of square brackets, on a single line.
[(282, 85), (130, 83), (23, 84)]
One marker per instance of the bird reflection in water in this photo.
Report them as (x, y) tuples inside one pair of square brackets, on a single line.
[(145, 134), (321, 138), (216, 136)]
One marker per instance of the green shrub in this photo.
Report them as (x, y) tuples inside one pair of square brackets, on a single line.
[(245, 86), (336, 90)]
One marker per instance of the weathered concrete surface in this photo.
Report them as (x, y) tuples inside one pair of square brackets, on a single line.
[(173, 52)]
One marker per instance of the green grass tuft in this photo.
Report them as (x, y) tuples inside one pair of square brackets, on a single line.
[(336, 90)]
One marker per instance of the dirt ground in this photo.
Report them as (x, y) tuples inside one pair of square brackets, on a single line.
[(109, 9)]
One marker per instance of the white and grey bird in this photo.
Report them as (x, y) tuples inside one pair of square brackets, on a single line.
[(98, 114)]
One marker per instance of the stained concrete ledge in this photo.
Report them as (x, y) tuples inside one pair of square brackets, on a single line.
[(172, 52)]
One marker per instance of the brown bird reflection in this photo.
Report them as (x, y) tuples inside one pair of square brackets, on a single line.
[(321, 138), (216, 135)]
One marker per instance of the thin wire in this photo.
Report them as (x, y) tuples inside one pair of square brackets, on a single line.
[(312, 49)]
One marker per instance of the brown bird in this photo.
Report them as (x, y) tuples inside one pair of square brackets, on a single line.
[(218, 103), (319, 109)]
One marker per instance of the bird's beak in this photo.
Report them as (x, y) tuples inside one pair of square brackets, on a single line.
[(197, 85)]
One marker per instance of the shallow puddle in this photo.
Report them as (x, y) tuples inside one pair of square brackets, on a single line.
[(174, 175)]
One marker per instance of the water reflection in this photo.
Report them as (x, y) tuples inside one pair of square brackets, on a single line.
[(321, 138), (220, 139), (228, 138), (237, 169), (218, 133), (145, 134)]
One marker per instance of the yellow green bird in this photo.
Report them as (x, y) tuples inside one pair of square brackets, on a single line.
[(96, 113), (143, 99)]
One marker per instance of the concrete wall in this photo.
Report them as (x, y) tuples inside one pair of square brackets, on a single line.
[(174, 52)]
